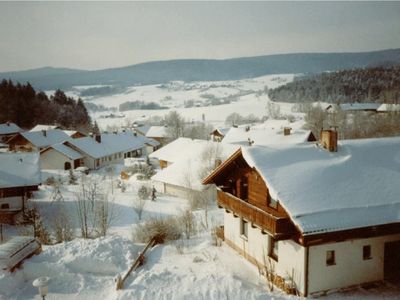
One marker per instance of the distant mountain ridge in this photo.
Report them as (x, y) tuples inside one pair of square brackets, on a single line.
[(204, 69)]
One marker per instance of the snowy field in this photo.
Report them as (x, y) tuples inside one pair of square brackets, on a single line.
[(247, 96), (187, 268)]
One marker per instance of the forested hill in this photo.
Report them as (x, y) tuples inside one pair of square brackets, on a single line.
[(204, 69), (379, 84), (24, 106)]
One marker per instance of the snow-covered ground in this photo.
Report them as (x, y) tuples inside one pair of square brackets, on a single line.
[(246, 96), (183, 269)]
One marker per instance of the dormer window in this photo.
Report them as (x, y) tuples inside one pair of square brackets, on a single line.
[(271, 202)]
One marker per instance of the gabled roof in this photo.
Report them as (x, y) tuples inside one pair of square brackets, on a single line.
[(359, 186), (268, 133), (40, 127), (173, 151), (9, 128), (72, 132), (389, 107), (51, 137), (65, 150), (157, 132), (141, 128), (111, 143), (188, 167), (359, 106), (19, 169)]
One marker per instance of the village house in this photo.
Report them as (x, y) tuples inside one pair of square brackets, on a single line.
[(40, 127), (19, 176), (218, 134), (75, 134), (158, 133), (271, 132), (7, 130), (187, 162), (60, 157), (171, 152), (314, 217), (37, 140), (109, 148)]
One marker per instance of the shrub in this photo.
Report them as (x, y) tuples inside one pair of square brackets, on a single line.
[(166, 228)]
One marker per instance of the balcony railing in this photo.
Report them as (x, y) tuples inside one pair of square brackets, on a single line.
[(278, 227)]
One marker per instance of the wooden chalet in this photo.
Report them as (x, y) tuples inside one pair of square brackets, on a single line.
[(298, 213), (7, 130)]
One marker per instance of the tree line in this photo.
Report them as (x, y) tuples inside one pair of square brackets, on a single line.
[(379, 84), (21, 104)]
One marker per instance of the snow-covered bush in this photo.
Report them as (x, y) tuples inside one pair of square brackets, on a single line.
[(164, 228), (146, 171), (187, 222)]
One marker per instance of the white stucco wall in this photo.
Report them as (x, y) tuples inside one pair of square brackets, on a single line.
[(291, 256), (54, 160), (350, 268), (13, 202)]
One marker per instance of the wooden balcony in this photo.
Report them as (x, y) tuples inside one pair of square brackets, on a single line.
[(280, 228)]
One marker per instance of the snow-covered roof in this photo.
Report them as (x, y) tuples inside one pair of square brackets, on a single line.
[(323, 191), (40, 127), (359, 106), (268, 133), (157, 131), (187, 170), (67, 151), (46, 138), (173, 151), (221, 131), (71, 132), (9, 128), (388, 107), (141, 128), (111, 143), (19, 169)]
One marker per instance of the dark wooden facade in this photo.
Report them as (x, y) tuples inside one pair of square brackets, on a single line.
[(243, 191), (18, 142)]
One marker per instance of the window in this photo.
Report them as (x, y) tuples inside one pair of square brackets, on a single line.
[(273, 248), (5, 206), (330, 258), (273, 203), (367, 252), (244, 228)]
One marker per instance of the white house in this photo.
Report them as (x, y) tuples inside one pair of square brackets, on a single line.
[(158, 133), (311, 219), (110, 148), (188, 162), (19, 176), (60, 157)]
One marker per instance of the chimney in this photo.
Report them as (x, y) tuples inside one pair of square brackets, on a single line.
[(217, 163), (8, 123), (135, 133), (286, 130), (329, 139), (44, 132), (98, 138)]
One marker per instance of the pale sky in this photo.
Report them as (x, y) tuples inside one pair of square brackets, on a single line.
[(96, 35)]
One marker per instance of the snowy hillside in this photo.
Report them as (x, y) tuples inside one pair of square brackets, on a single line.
[(213, 100)]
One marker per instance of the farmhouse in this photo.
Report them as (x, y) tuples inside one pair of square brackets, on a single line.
[(315, 220), (19, 176), (7, 130), (192, 161), (37, 140), (272, 132)]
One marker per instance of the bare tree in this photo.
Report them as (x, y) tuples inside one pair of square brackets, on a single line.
[(140, 202), (188, 223), (175, 125), (94, 209)]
